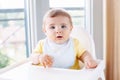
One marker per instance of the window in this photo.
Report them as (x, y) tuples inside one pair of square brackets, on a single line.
[(12, 32)]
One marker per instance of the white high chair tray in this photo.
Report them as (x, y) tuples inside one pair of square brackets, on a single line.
[(31, 72)]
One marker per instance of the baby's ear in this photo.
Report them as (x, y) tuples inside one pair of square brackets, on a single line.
[(71, 28), (43, 29)]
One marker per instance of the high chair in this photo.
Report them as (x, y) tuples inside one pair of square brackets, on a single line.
[(26, 71), (87, 41), (84, 74)]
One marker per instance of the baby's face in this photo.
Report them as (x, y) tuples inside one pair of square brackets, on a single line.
[(58, 29)]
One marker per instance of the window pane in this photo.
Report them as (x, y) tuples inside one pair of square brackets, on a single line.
[(67, 3), (12, 32)]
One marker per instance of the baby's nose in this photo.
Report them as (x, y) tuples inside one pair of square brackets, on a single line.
[(59, 31)]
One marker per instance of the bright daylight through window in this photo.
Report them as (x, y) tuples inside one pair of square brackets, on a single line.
[(12, 32)]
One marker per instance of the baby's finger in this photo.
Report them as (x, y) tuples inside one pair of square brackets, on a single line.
[(91, 65), (44, 64), (49, 64), (48, 57), (49, 61), (86, 65)]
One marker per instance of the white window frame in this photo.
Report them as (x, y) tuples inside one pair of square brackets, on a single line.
[(35, 10)]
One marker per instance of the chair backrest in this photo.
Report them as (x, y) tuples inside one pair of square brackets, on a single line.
[(85, 39)]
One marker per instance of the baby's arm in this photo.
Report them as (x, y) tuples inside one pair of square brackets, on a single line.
[(88, 60), (44, 60)]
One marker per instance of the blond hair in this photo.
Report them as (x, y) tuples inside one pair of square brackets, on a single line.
[(56, 12)]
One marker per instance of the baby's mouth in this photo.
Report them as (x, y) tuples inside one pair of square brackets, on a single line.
[(59, 36)]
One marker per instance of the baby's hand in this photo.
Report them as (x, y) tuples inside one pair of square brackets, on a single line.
[(88, 60), (46, 60), (90, 64)]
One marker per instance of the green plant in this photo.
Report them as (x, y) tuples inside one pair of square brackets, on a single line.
[(4, 60)]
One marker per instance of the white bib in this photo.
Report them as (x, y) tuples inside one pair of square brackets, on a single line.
[(63, 54)]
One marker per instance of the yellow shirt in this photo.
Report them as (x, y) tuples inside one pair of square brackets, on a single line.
[(78, 48)]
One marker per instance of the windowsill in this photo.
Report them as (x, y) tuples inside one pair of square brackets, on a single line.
[(12, 66)]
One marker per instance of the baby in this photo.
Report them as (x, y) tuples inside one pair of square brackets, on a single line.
[(58, 49)]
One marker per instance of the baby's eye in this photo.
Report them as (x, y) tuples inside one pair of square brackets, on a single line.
[(52, 27), (63, 26)]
